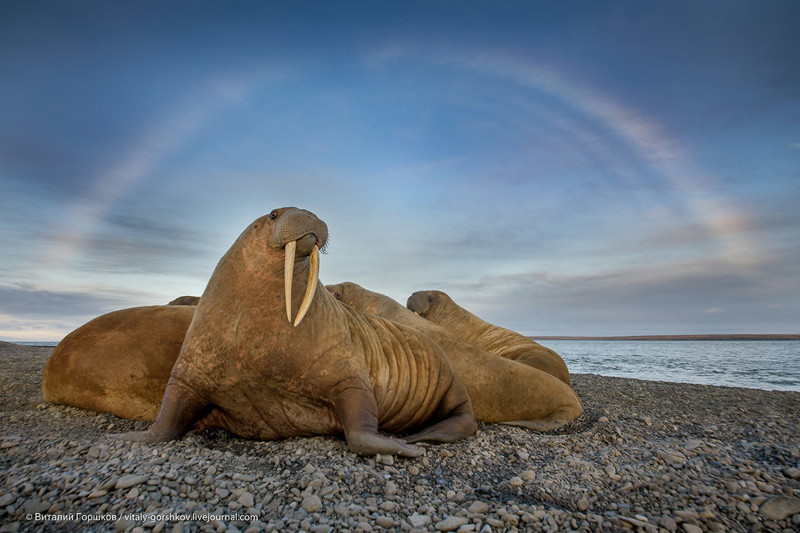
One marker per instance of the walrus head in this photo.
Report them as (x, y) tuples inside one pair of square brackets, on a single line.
[(421, 302), (300, 234), (357, 296)]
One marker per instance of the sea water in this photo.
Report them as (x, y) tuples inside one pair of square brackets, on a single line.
[(769, 365)]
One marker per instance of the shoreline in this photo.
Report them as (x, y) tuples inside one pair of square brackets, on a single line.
[(646, 455)]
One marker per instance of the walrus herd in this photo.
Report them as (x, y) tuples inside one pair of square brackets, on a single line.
[(350, 362)]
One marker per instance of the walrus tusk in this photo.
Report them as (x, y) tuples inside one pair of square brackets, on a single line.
[(313, 278), (288, 271)]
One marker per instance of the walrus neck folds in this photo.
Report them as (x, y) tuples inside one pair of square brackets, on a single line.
[(311, 287)]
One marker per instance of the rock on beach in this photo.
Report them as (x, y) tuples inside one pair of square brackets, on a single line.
[(646, 456)]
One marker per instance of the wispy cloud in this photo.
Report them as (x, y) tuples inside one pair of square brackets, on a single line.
[(623, 137), (152, 146), (29, 301)]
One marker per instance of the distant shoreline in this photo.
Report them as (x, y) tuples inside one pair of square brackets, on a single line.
[(716, 337)]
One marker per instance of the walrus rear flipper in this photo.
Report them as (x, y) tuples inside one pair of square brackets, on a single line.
[(459, 422)]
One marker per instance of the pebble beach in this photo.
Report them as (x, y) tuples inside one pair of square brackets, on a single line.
[(645, 456)]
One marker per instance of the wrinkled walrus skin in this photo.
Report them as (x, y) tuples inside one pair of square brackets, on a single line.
[(440, 309), (252, 367), (501, 390), (118, 363)]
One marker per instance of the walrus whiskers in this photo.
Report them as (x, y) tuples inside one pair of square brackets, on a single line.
[(313, 277)]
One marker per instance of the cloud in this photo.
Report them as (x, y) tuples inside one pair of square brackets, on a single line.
[(32, 312), (144, 155), (640, 160), (133, 240), (28, 159), (677, 297), (27, 301)]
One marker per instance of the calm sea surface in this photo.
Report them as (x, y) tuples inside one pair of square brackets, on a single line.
[(770, 365)]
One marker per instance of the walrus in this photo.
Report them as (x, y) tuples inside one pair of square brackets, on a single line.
[(501, 390), (119, 362), (246, 365), (440, 309), (185, 300)]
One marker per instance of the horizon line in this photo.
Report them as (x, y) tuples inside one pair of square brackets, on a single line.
[(709, 336)]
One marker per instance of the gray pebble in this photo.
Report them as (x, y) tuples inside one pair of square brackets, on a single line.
[(419, 521), (451, 523), (130, 480), (668, 523), (312, 504), (478, 507), (780, 507), (122, 524), (34, 505), (385, 521), (246, 499)]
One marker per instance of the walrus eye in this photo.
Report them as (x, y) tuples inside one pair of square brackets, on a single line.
[(430, 298), (273, 215)]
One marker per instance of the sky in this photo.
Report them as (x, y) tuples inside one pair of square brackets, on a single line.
[(558, 168)]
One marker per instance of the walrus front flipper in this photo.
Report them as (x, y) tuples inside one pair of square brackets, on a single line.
[(180, 408), (356, 409)]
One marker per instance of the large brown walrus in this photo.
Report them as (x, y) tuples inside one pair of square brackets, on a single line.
[(119, 362), (248, 367), (501, 390), (440, 309)]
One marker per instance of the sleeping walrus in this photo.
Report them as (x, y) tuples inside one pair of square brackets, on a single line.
[(501, 390), (247, 366), (440, 309), (119, 362)]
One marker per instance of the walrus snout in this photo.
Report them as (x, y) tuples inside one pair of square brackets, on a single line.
[(296, 224), (301, 234), (305, 244)]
